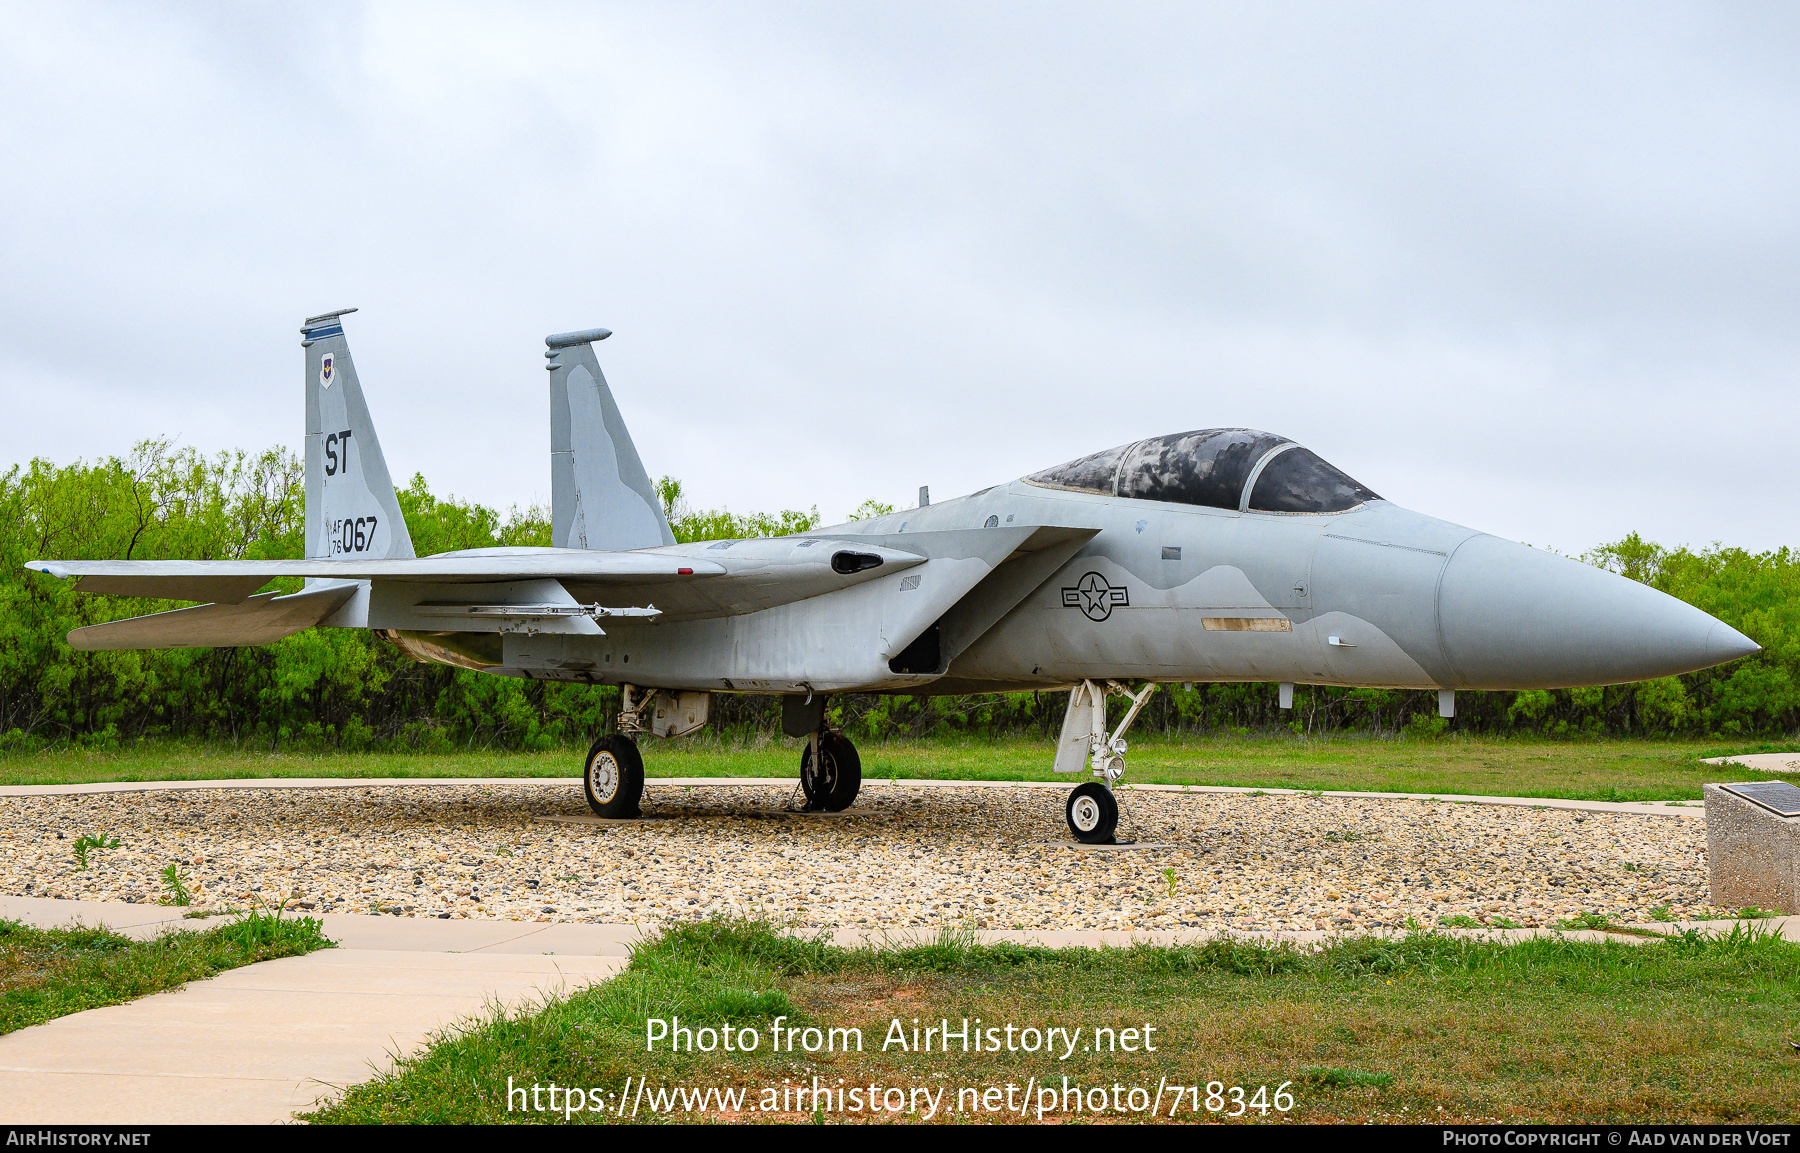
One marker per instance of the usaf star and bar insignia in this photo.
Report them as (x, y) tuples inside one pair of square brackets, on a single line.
[(1094, 597)]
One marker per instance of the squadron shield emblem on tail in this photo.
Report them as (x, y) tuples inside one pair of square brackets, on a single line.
[(325, 371)]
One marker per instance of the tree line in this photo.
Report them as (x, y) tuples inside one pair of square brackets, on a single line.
[(348, 689)]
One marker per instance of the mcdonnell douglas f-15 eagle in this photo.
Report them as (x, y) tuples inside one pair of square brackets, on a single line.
[(1224, 554)]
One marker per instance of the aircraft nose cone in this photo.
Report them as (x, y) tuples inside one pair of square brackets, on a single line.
[(1513, 617)]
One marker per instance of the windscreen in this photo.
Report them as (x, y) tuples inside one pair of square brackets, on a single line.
[(1299, 480)]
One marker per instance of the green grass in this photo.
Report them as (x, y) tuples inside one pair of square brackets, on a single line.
[(47, 973), (1603, 769), (1426, 1027)]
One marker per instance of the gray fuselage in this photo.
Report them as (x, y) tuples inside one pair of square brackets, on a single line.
[(1373, 596)]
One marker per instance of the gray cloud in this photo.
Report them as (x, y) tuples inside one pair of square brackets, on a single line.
[(1531, 269)]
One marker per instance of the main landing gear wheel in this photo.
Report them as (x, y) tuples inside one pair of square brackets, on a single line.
[(1092, 813), (832, 785), (614, 778)]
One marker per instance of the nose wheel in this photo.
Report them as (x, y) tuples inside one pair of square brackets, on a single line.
[(1092, 813)]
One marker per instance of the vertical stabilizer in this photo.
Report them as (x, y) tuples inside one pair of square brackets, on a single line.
[(351, 510), (600, 495)]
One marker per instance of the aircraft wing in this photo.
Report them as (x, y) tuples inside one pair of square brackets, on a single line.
[(476, 589), (453, 590)]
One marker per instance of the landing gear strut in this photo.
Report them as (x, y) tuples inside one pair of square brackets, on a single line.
[(830, 770), (1092, 811)]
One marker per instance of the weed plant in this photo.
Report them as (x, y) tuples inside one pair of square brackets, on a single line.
[(175, 890), (85, 844)]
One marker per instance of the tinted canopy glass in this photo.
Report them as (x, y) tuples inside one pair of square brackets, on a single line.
[(1298, 480), (1211, 467)]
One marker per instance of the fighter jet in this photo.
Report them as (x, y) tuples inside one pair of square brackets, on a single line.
[(1225, 554)]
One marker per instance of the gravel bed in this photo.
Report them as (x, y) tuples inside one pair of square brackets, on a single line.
[(906, 857)]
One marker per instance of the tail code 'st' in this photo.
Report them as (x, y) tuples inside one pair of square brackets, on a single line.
[(351, 510)]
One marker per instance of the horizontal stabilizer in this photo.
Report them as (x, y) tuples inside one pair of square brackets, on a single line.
[(227, 588), (260, 620)]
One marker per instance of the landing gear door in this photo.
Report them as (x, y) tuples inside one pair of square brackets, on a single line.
[(678, 714), (1086, 716)]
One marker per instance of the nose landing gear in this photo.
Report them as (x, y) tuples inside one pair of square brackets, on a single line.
[(1092, 811)]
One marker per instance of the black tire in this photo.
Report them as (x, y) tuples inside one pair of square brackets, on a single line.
[(1092, 813), (613, 778), (833, 788)]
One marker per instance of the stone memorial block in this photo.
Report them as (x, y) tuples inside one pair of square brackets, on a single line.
[(1753, 845)]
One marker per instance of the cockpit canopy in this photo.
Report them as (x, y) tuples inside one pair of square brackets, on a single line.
[(1234, 468)]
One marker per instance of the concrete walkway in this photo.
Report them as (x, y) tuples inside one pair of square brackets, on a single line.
[(254, 1045)]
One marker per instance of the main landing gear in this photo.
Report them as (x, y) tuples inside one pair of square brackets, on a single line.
[(1092, 811), (613, 778), (830, 770)]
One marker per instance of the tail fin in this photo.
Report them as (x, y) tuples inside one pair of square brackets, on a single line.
[(600, 496), (351, 510)]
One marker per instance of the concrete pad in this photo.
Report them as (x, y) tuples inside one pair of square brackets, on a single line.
[(1118, 847), (323, 983), (1761, 762), (42, 1097), (423, 934), (354, 932), (567, 940), (592, 819)]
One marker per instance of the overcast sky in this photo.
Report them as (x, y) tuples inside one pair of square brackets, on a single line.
[(1530, 269)]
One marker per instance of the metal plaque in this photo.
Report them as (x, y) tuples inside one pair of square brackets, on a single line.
[(1778, 797)]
